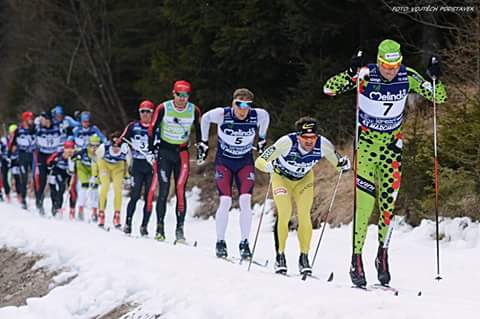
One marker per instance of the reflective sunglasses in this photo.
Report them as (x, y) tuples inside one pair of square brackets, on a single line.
[(243, 104), (309, 137), (390, 66), (182, 94), (145, 111)]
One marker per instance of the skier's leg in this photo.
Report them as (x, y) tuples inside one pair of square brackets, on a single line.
[(149, 196), (118, 173), (223, 180), (180, 173), (135, 193), (245, 179), (6, 183), (303, 195), (389, 184), (366, 170), (164, 172), (281, 195), (104, 175)]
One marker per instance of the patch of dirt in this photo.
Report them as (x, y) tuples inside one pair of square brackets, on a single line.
[(117, 312), (19, 280)]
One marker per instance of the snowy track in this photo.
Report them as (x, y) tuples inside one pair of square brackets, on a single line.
[(187, 282)]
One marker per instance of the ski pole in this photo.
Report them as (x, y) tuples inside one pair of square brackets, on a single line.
[(260, 223), (435, 172), (325, 222)]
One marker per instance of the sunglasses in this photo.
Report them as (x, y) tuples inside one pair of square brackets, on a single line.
[(145, 111), (243, 104), (390, 66), (182, 94), (308, 137)]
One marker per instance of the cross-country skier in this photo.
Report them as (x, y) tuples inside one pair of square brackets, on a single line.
[(290, 161), (137, 134), (112, 162), (49, 138), (86, 185), (58, 167), (7, 159), (174, 120), (381, 103), (82, 133), (23, 143), (65, 122), (237, 125)]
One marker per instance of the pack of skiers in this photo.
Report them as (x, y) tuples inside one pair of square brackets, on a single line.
[(72, 156)]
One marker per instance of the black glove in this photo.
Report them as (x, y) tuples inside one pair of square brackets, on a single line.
[(202, 152), (261, 145), (433, 69), (356, 62)]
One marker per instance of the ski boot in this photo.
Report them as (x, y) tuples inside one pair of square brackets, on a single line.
[(127, 229), (160, 233), (179, 236), (1, 198), (72, 213), (143, 231), (94, 215), (80, 213), (116, 219), (54, 211), (221, 249), (9, 200), (304, 265), (280, 264), (357, 273), (24, 205), (101, 218), (381, 263), (245, 253)]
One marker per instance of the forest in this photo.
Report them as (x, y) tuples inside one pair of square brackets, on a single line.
[(107, 56)]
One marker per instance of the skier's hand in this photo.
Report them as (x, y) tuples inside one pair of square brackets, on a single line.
[(356, 62), (149, 157), (343, 164), (433, 69), (92, 183), (128, 181), (262, 142), (202, 152)]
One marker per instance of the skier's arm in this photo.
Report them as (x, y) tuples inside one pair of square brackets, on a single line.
[(100, 134), (154, 124), (419, 85), (212, 116), (100, 152), (339, 83), (12, 142), (263, 122), (196, 124), (126, 134), (280, 147), (128, 161), (328, 150)]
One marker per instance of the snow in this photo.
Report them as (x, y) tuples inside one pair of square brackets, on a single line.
[(108, 269)]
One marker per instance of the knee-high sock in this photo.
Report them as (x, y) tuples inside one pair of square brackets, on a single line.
[(245, 215), (221, 217)]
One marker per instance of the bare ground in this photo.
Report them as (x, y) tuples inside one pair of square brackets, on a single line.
[(19, 280)]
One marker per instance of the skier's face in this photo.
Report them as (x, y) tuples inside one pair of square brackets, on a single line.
[(45, 122), (85, 124), (68, 152), (59, 117), (145, 116), (180, 99), (241, 107), (388, 71), (307, 141)]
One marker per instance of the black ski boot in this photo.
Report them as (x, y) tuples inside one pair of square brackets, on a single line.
[(381, 263), (127, 229), (245, 252), (143, 231), (160, 233), (280, 264), (304, 265), (357, 273), (221, 249), (24, 204), (179, 236)]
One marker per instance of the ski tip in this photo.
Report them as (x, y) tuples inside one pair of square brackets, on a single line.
[(330, 278)]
